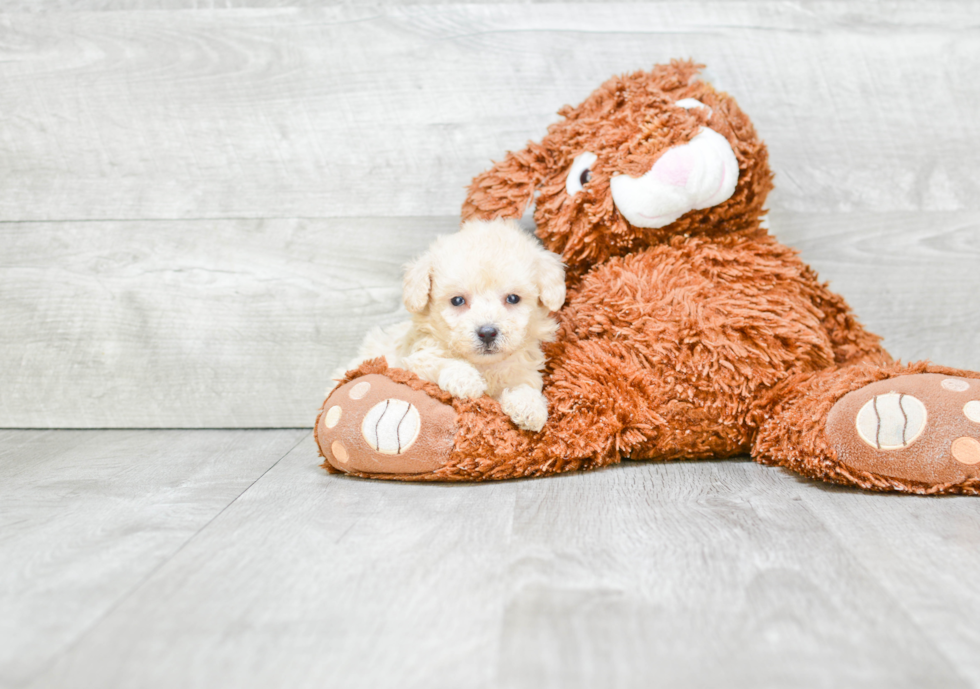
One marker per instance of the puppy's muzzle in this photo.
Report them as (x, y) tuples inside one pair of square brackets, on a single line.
[(488, 337)]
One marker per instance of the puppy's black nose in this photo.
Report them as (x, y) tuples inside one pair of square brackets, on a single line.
[(487, 334)]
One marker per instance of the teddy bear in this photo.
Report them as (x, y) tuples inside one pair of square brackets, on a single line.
[(688, 331)]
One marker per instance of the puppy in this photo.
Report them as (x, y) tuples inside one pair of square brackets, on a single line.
[(479, 301)]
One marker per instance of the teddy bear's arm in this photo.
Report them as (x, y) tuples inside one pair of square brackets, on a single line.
[(851, 342)]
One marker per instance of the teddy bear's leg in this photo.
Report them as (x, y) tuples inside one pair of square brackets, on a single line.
[(387, 423), (914, 429)]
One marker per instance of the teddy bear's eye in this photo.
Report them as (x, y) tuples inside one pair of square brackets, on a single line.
[(457, 301), (691, 104), (580, 172), (513, 299)]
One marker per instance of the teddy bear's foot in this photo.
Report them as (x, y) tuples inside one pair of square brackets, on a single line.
[(922, 428), (373, 426)]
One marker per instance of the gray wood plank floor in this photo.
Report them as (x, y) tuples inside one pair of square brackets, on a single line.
[(228, 559), (87, 516)]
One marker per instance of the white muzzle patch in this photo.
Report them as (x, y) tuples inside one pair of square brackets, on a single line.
[(700, 174)]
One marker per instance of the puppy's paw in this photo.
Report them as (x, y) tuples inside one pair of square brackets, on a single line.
[(460, 379), (526, 407)]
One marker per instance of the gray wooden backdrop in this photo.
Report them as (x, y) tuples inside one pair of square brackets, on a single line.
[(203, 205)]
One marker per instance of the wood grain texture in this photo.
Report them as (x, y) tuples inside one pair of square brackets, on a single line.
[(193, 323), (922, 552), (648, 574), (390, 110), (701, 574), (204, 211), (311, 580), (87, 516), (130, 5)]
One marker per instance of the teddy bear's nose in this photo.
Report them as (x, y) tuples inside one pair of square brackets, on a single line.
[(675, 166), (487, 334), (699, 174)]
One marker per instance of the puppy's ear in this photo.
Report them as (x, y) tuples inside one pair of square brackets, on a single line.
[(417, 283), (505, 190), (551, 280)]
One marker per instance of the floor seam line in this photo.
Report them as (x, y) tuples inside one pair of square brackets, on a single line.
[(149, 575)]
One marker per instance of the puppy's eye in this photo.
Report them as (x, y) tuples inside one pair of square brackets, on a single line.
[(513, 299), (580, 172), (457, 301)]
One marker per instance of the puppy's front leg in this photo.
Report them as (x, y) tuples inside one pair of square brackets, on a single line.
[(461, 379), (526, 407), (458, 378)]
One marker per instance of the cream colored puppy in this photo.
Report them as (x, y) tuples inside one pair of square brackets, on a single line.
[(479, 301)]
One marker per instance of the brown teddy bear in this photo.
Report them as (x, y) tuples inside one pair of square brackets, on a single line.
[(688, 332)]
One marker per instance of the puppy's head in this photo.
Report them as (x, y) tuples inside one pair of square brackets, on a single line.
[(485, 292)]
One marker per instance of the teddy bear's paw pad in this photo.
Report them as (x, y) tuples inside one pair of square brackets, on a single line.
[(923, 428), (372, 425)]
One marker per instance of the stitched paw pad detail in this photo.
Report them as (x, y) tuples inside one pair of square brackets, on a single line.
[(891, 421), (372, 425), (391, 427), (923, 427)]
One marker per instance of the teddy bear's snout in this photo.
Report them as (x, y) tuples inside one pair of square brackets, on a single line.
[(699, 174)]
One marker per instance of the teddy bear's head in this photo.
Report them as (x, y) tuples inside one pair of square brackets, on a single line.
[(646, 157)]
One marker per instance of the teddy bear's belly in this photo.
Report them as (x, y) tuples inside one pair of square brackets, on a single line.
[(690, 347)]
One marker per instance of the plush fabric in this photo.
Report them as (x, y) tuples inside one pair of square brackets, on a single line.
[(701, 338)]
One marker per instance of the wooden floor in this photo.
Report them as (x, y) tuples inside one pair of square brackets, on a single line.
[(228, 559)]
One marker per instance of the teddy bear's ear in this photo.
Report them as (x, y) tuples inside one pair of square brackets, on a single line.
[(417, 283), (505, 190), (551, 280)]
